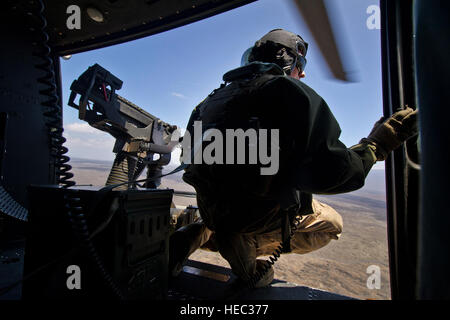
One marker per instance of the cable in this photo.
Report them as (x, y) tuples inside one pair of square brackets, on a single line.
[(177, 169), (51, 112), (80, 228), (259, 274)]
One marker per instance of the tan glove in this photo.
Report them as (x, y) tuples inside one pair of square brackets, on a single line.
[(388, 135)]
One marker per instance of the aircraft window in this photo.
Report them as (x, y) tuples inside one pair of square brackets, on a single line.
[(168, 74)]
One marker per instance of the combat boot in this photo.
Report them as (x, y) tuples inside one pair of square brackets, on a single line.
[(266, 269)]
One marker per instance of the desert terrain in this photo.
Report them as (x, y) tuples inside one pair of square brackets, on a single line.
[(339, 267)]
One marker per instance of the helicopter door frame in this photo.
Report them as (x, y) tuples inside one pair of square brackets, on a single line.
[(402, 178)]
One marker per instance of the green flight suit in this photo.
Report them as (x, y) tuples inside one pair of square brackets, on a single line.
[(234, 200)]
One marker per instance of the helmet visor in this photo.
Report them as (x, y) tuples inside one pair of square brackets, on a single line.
[(300, 63)]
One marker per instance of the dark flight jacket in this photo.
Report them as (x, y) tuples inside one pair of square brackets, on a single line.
[(312, 159)]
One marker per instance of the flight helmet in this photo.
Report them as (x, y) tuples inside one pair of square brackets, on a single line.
[(286, 49)]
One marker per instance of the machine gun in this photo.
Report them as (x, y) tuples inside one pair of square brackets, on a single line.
[(132, 251), (140, 136)]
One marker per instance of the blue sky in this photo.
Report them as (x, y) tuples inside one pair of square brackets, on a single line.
[(168, 74)]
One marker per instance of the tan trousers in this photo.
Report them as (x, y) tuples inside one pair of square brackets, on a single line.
[(241, 250)]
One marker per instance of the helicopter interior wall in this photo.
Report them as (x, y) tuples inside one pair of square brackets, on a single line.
[(25, 144)]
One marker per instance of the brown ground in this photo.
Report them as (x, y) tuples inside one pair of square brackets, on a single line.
[(339, 267)]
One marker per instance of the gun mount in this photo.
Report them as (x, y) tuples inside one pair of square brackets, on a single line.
[(139, 135)]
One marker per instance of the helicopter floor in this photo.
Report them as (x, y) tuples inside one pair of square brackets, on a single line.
[(197, 281), (201, 281)]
